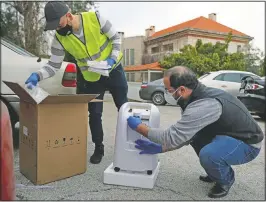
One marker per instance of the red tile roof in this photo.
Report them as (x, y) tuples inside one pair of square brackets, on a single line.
[(201, 23), (151, 66)]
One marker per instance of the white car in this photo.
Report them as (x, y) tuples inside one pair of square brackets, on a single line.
[(227, 80), (17, 65)]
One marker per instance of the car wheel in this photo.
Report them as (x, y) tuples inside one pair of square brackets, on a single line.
[(158, 98), (14, 119)]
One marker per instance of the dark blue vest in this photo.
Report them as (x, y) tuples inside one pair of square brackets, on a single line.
[(235, 120)]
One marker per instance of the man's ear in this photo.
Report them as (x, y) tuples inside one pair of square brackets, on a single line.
[(69, 15), (182, 89)]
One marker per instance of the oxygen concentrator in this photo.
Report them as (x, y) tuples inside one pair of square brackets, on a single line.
[(129, 168)]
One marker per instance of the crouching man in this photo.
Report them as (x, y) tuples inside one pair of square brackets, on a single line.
[(215, 123)]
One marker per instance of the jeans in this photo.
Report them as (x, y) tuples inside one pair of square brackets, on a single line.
[(116, 84), (223, 151)]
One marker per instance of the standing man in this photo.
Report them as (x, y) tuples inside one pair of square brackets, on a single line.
[(87, 37), (216, 124)]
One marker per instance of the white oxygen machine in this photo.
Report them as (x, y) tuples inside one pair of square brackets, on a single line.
[(129, 168)]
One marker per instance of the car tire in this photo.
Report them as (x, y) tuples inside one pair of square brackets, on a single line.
[(14, 119), (157, 98)]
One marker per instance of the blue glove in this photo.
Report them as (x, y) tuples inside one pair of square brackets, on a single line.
[(148, 147), (110, 61), (33, 79), (133, 122)]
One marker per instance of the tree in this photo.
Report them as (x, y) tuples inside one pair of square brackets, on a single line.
[(10, 24), (23, 24), (206, 57), (262, 67)]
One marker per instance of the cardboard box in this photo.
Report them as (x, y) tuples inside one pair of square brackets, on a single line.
[(53, 135)]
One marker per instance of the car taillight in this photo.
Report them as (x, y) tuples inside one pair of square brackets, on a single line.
[(143, 86), (70, 75), (256, 86)]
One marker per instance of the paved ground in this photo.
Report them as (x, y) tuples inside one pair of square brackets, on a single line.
[(177, 180)]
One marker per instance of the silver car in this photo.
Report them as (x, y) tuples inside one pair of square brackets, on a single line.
[(153, 91), (227, 80)]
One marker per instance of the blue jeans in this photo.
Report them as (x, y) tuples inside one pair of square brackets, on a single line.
[(116, 83), (223, 151)]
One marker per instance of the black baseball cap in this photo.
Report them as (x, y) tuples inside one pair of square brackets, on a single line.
[(53, 11)]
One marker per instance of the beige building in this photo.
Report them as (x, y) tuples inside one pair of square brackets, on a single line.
[(133, 49), (155, 45)]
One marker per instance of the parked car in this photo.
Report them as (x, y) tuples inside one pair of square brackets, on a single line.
[(16, 65), (228, 80), (153, 91), (7, 176), (252, 95)]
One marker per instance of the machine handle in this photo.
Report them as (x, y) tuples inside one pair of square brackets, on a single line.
[(136, 104)]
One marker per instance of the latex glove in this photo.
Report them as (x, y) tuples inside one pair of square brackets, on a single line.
[(133, 122), (110, 61), (148, 147), (33, 80)]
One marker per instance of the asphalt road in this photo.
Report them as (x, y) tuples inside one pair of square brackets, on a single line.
[(177, 179)]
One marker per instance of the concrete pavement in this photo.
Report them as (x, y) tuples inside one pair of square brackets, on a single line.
[(177, 179)]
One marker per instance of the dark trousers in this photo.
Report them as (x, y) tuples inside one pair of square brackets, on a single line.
[(218, 154), (116, 84)]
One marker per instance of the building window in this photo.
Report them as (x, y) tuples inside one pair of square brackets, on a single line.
[(132, 56), (168, 47), (127, 56), (124, 57), (238, 48), (156, 76), (127, 76), (132, 77), (145, 77), (155, 49)]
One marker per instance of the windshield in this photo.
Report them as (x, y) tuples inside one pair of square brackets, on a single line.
[(16, 48), (204, 75)]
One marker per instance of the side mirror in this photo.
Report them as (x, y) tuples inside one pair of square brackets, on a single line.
[(39, 59)]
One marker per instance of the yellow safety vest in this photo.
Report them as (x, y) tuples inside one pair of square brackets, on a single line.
[(98, 47)]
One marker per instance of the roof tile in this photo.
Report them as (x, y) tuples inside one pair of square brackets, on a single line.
[(151, 66), (201, 23)]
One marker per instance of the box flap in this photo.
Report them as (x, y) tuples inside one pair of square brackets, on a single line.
[(96, 100), (51, 99), (20, 91), (75, 98)]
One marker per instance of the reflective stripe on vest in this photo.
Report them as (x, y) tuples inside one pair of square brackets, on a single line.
[(97, 55), (98, 47)]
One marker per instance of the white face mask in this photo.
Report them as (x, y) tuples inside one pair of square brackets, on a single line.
[(170, 98), (172, 94)]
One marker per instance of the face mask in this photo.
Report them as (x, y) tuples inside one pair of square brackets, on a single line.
[(65, 30), (179, 100)]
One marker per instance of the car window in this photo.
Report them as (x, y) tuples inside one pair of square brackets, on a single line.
[(204, 75), (16, 48), (232, 77), (219, 77), (158, 82), (253, 76)]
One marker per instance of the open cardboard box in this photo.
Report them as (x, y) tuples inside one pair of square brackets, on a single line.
[(53, 135)]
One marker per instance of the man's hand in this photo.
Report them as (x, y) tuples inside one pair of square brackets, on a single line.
[(110, 61), (133, 122), (33, 79), (148, 147)]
